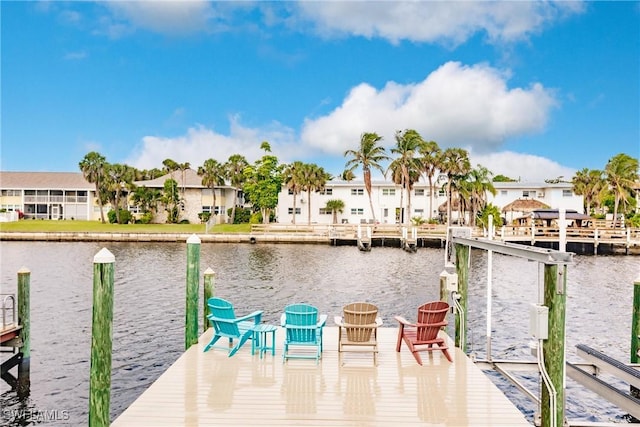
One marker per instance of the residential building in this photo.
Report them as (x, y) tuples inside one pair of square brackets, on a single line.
[(390, 201), (67, 195)]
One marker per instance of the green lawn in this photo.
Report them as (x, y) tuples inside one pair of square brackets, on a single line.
[(44, 226)]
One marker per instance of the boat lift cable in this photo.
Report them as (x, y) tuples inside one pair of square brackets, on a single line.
[(455, 297), (550, 387)]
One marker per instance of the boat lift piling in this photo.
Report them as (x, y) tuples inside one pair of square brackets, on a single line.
[(192, 294), (101, 338), (635, 332), (24, 320)]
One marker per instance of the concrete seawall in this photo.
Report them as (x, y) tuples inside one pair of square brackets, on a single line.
[(162, 237)]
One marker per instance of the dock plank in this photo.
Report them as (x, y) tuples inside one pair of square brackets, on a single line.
[(210, 389)]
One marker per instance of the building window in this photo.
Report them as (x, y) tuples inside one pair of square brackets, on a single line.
[(11, 193), (419, 192), (357, 191), (357, 211), (327, 191), (503, 192), (290, 192), (567, 193), (206, 209), (290, 211), (418, 212), (325, 211), (441, 193), (527, 193), (388, 191)]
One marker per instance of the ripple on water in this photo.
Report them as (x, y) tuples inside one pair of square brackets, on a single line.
[(149, 306)]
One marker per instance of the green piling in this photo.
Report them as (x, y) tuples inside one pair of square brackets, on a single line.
[(555, 297), (193, 279), (635, 331), (462, 269), (24, 320), (101, 338), (209, 289)]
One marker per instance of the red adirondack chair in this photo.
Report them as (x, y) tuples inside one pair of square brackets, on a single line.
[(423, 335)]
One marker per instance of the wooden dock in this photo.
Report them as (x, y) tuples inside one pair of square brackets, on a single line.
[(210, 388)]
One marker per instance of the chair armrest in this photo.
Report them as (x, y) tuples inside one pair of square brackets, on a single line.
[(257, 314), (403, 321), (283, 320), (322, 321)]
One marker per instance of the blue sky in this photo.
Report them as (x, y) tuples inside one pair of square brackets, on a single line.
[(533, 90)]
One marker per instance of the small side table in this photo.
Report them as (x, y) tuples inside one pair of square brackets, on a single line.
[(260, 341)]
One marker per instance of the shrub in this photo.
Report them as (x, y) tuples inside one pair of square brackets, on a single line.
[(125, 216), (243, 215), (204, 216)]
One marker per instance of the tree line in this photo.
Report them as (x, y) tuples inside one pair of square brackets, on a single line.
[(409, 160)]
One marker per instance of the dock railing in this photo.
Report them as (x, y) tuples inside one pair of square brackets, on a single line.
[(528, 233)]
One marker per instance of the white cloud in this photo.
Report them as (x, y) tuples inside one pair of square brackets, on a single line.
[(201, 143), (456, 105), (434, 21), (526, 167), (173, 17)]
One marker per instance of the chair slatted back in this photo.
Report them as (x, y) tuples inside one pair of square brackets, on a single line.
[(301, 323), (431, 317), (359, 314), (222, 310)]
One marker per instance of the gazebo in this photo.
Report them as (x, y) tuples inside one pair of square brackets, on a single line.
[(521, 207)]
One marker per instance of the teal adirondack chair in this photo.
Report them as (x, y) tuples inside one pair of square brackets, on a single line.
[(227, 325), (303, 328)]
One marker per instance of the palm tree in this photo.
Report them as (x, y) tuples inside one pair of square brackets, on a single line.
[(408, 143), (170, 166), (93, 167), (480, 184), (588, 183), (621, 174), (293, 180), (430, 154), (335, 206), (347, 175), (455, 164), (118, 176), (312, 178), (213, 174), (369, 156), (233, 169), (183, 167)]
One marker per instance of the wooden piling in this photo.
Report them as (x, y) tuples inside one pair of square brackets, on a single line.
[(462, 269), (209, 289), (24, 320), (101, 338), (193, 279), (635, 331), (555, 297)]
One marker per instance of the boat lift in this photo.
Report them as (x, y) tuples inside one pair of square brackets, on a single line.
[(553, 368)]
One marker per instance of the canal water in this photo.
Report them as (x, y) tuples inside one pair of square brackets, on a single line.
[(150, 299)]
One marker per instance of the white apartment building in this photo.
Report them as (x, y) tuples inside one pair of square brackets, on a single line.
[(389, 201)]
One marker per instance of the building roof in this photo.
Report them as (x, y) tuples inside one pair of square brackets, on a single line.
[(554, 214), (524, 205), (44, 180), (190, 177)]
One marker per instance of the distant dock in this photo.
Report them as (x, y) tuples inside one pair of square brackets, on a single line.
[(579, 240)]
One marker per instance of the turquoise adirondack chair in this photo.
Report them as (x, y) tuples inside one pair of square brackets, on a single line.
[(226, 324), (303, 328)]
